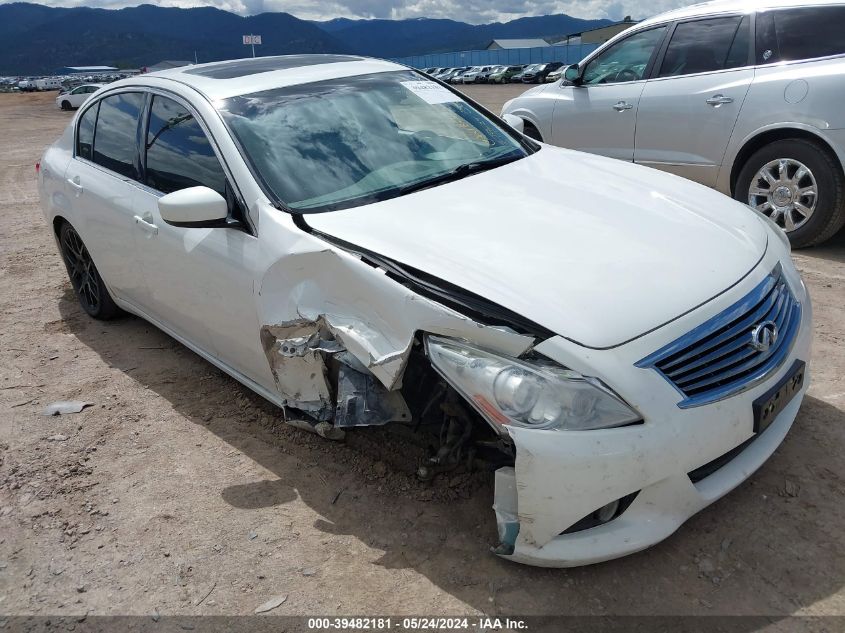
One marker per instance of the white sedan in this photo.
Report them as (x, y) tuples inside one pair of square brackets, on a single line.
[(355, 241), (75, 97)]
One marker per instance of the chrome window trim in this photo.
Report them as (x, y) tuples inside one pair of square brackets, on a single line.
[(789, 62), (702, 74)]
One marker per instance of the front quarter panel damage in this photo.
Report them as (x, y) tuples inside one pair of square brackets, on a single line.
[(322, 302)]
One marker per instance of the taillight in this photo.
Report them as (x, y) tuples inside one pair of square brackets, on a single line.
[(38, 167)]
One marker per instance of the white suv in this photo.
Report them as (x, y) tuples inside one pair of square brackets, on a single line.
[(745, 97)]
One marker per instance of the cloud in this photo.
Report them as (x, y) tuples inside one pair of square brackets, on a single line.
[(473, 11)]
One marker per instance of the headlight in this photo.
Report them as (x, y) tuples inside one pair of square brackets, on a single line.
[(535, 395), (779, 232)]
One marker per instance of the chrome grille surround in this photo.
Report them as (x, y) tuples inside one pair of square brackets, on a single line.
[(719, 358)]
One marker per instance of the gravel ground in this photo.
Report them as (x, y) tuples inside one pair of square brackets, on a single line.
[(180, 492)]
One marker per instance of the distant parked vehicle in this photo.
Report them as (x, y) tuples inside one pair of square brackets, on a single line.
[(504, 73), (538, 72), (747, 101), (75, 97), (48, 83), (484, 76), (26, 85), (474, 74), (555, 75), (454, 75), (517, 78)]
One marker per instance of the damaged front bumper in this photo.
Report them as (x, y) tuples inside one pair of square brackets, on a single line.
[(662, 471)]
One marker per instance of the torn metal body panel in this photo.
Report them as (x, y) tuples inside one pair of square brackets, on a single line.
[(373, 317), (326, 304), (363, 401), (295, 352)]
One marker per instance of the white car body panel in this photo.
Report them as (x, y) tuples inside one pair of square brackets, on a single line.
[(491, 215), (659, 128), (616, 260), (586, 118), (814, 88), (589, 471)]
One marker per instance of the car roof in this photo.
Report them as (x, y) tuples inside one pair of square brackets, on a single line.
[(730, 6), (220, 80)]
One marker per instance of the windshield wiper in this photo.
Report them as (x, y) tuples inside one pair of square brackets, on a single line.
[(461, 171)]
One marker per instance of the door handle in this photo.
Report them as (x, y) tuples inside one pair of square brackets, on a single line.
[(717, 100), (74, 182), (146, 223), (622, 106)]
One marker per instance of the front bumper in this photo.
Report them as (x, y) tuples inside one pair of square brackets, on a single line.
[(561, 477)]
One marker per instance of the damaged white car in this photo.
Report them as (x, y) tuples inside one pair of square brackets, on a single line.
[(352, 239)]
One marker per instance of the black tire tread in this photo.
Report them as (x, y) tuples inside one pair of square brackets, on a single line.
[(107, 309), (836, 219)]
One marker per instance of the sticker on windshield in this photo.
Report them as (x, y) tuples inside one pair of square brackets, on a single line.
[(431, 92)]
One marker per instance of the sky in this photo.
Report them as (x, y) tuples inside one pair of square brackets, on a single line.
[(473, 11)]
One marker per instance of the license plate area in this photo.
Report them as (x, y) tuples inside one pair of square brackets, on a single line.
[(768, 406)]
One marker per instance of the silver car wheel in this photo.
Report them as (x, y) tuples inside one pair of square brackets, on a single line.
[(786, 191)]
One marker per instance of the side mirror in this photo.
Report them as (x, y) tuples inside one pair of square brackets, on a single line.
[(572, 74), (515, 122), (193, 207)]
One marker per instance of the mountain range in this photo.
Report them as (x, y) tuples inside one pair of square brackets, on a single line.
[(39, 39)]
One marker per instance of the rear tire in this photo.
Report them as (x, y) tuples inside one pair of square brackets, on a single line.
[(87, 284), (796, 182), (66, 105)]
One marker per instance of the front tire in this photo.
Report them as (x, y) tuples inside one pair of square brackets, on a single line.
[(87, 284), (66, 105), (799, 185), (531, 132)]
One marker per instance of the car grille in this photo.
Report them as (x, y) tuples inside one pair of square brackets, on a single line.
[(735, 349)]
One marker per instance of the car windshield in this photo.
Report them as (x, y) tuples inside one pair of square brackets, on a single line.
[(355, 140)]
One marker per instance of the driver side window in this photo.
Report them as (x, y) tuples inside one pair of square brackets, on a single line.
[(624, 61)]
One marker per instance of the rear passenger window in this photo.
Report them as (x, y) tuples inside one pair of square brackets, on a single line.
[(803, 33), (707, 45), (85, 133), (179, 154), (115, 144)]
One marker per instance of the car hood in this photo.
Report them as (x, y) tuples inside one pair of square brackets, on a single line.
[(597, 250)]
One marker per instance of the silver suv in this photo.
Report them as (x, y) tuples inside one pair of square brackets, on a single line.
[(745, 97)]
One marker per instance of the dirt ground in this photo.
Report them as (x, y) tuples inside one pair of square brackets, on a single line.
[(181, 492)]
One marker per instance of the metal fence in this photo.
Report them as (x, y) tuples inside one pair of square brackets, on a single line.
[(568, 54)]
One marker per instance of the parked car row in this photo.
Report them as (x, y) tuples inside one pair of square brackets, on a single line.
[(62, 83), (525, 73), (621, 346), (747, 101)]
